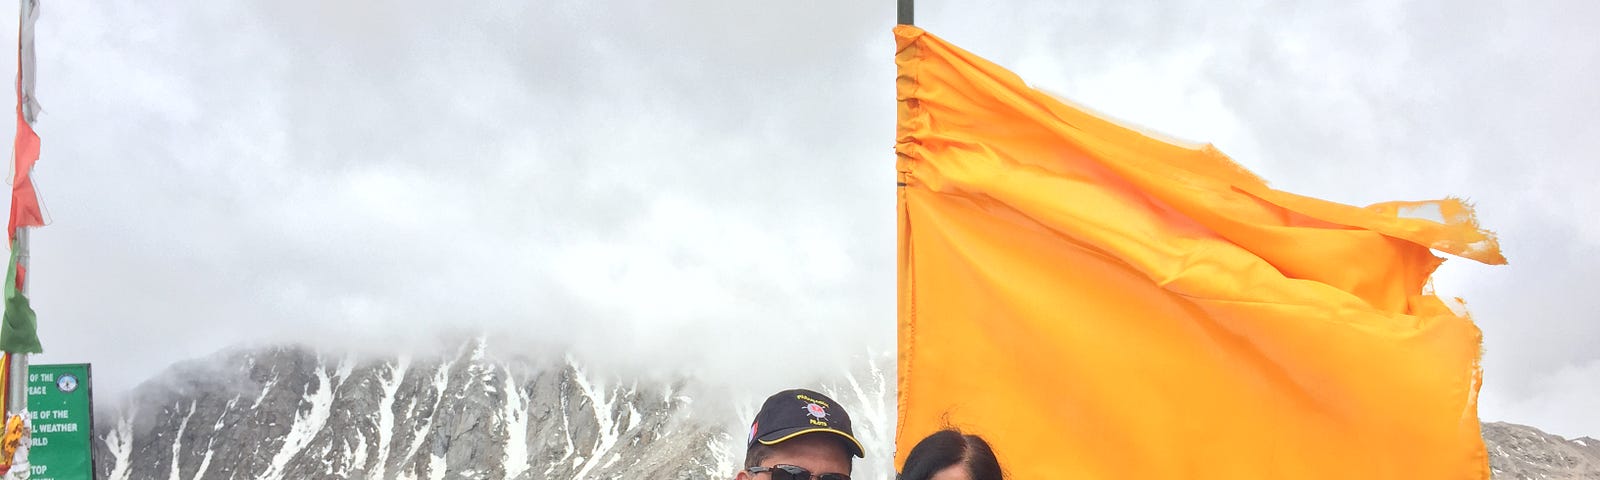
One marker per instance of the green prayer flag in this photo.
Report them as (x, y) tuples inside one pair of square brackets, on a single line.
[(19, 333)]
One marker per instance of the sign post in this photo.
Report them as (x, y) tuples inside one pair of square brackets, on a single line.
[(61, 405)]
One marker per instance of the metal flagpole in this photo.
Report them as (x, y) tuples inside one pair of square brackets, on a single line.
[(17, 390), (905, 12)]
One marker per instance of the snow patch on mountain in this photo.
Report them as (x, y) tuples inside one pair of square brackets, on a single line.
[(393, 374), (305, 425), (515, 417), (119, 443), (177, 439)]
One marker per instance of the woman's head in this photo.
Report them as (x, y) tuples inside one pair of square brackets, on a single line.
[(951, 455)]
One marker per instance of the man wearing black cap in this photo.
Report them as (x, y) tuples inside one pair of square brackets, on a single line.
[(800, 435)]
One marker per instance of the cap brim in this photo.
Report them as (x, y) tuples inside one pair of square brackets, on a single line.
[(781, 436)]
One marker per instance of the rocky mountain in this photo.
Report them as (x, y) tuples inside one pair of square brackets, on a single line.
[(288, 413), (292, 413), (1519, 452)]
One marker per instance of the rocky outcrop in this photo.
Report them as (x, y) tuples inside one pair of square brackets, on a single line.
[(290, 413), (1519, 452)]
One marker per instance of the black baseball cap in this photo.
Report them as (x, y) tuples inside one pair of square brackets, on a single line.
[(792, 413)]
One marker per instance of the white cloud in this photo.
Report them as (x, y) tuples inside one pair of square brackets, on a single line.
[(694, 182), (1557, 402)]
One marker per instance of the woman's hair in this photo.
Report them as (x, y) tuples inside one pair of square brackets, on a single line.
[(949, 447)]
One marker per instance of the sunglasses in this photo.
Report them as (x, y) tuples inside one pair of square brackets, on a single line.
[(791, 472)]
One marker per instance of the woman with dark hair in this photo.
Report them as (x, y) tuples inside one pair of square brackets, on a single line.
[(951, 455)]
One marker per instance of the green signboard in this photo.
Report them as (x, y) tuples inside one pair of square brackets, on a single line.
[(61, 405)]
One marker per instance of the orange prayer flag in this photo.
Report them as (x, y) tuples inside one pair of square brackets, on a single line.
[(1099, 303)]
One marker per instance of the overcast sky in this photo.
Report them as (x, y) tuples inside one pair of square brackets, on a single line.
[(707, 186)]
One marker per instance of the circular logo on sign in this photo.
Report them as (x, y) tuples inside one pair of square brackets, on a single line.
[(67, 383)]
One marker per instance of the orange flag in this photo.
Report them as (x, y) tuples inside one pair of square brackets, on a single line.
[(1100, 303)]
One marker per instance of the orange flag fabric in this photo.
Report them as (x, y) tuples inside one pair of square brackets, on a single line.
[(1099, 303), (25, 211)]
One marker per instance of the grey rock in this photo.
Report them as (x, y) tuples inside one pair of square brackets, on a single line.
[(290, 413), (1519, 452)]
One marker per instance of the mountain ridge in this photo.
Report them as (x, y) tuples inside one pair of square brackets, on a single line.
[(287, 411)]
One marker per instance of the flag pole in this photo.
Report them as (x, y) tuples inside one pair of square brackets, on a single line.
[(905, 12), (17, 388), (16, 405)]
